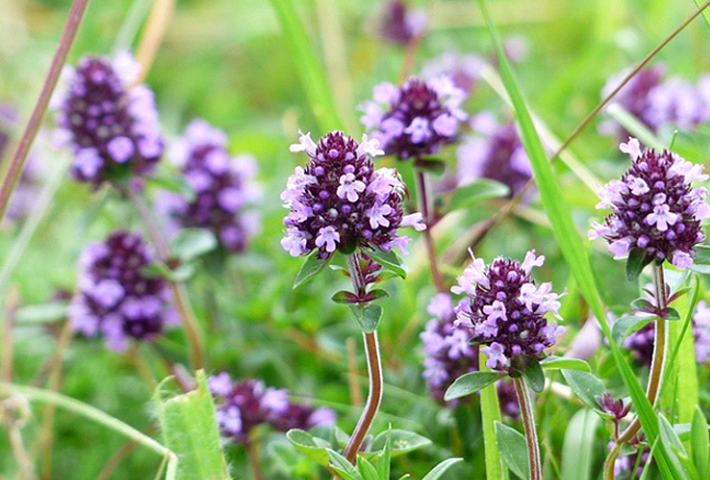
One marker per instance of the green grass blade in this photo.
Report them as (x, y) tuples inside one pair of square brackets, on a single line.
[(571, 244), (490, 414), (706, 12), (578, 449), (190, 430), (308, 66)]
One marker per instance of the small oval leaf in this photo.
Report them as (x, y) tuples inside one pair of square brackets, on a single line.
[(514, 449), (312, 447), (476, 192), (470, 383), (402, 441), (628, 325), (561, 363), (310, 268), (389, 260)]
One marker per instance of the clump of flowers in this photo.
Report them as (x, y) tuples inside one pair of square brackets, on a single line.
[(655, 210), (656, 102), (223, 187), (115, 298), (401, 24), (339, 202), (641, 343), (110, 124), (417, 119), (633, 465), (494, 152), (463, 69), (243, 406), (505, 311)]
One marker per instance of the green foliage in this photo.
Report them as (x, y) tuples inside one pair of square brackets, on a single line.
[(469, 383), (514, 450), (473, 193), (578, 450)]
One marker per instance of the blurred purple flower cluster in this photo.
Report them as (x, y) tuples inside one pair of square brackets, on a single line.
[(654, 207), (417, 119), (243, 406), (657, 102), (400, 24), (110, 124), (115, 298), (223, 187), (340, 202), (505, 310), (494, 152)]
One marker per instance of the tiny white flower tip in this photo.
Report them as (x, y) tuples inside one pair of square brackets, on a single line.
[(632, 148), (370, 146), (305, 144)]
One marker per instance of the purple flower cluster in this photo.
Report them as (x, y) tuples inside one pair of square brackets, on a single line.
[(495, 152), (463, 69), (242, 406), (115, 298), (641, 343), (401, 24), (448, 352), (223, 187), (654, 208), (417, 119), (505, 311), (111, 126), (656, 102), (340, 202), (632, 466)]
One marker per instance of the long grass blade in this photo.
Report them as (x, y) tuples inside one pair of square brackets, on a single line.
[(490, 414)]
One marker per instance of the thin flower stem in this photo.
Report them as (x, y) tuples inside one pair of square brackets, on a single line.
[(529, 426), (182, 302), (252, 448), (153, 34), (425, 206), (374, 398), (60, 56), (653, 389)]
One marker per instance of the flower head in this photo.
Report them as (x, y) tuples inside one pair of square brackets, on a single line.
[(495, 152), (463, 69), (417, 119), (243, 406), (111, 126), (115, 298), (654, 208), (505, 311), (400, 24), (340, 202), (222, 185)]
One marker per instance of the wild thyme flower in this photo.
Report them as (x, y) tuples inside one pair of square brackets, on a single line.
[(340, 202), (243, 406), (400, 23), (494, 152), (463, 69), (223, 187), (448, 352), (632, 466), (115, 298), (417, 119), (657, 102), (505, 311), (111, 125), (640, 343), (654, 207)]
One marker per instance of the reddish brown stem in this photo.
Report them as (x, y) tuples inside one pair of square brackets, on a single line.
[(428, 238)]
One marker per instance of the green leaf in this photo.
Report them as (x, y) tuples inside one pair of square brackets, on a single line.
[(312, 447), (701, 260), (341, 465), (309, 67), (389, 260), (561, 363), (470, 383), (367, 316), (514, 449), (642, 304), (402, 442), (587, 387), (190, 430), (535, 375), (490, 414), (475, 192), (441, 468), (628, 325), (157, 269), (41, 314), (310, 268), (671, 314), (635, 263), (669, 437), (184, 272), (176, 184), (367, 470), (579, 445), (343, 296), (431, 165), (385, 457), (700, 443), (190, 243), (378, 293), (706, 12)]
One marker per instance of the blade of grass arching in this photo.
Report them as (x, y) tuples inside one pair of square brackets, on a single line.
[(706, 12), (571, 244), (680, 377), (92, 413), (309, 67), (587, 177), (490, 414), (634, 126), (578, 449), (130, 26)]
